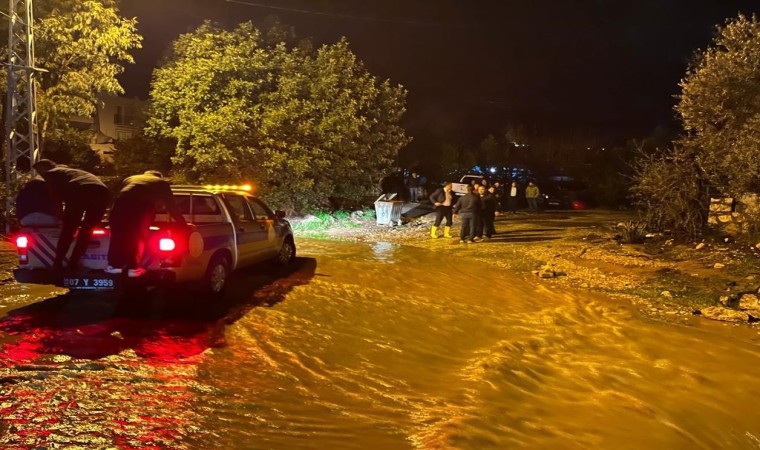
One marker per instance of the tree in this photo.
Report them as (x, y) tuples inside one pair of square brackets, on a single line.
[(138, 154), (84, 45), (71, 147), (449, 158), (305, 125), (490, 151), (720, 107)]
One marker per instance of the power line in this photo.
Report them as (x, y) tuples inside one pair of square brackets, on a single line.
[(338, 15)]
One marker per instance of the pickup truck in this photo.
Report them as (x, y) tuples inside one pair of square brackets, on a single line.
[(230, 229), (461, 187)]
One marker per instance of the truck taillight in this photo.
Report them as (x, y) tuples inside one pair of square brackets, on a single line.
[(98, 232), (22, 242), (167, 245)]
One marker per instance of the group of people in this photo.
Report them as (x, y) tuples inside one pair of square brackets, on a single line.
[(76, 199), (477, 208), (507, 199)]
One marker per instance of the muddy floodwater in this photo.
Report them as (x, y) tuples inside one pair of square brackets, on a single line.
[(370, 346)]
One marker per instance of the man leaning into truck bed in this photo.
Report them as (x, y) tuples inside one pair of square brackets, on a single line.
[(132, 215), (85, 198)]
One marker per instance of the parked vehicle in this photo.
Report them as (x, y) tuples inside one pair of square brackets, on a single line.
[(564, 195), (461, 187), (230, 229)]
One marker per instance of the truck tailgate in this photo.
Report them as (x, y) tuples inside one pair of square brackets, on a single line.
[(42, 242)]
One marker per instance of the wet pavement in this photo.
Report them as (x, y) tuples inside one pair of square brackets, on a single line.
[(369, 346)]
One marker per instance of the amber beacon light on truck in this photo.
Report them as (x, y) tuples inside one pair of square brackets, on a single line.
[(229, 187)]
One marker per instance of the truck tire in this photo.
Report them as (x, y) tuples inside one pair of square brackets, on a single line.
[(217, 273), (287, 252)]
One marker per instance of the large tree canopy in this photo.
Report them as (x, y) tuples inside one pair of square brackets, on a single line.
[(84, 45), (720, 107), (306, 125)]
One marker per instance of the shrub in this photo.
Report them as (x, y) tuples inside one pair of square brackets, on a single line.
[(633, 232), (668, 189)]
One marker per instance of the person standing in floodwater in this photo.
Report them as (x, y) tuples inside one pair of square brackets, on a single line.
[(443, 199), (488, 214), (468, 207)]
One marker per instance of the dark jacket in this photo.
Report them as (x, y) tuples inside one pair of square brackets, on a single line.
[(34, 197), (439, 196), (67, 183), (150, 191), (489, 204), (498, 192), (469, 203)]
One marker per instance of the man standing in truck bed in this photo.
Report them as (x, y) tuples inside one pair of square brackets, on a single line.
[(83, 195), (132, 215)]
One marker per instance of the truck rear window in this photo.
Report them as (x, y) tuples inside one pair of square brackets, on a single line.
[(196, 208)]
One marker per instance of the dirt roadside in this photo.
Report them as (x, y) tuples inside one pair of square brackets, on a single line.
[(583, 250)]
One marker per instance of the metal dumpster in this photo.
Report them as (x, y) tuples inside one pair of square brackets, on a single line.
[(387, 210)]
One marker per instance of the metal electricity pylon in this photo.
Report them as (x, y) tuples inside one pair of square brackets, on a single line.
[(22, 139)]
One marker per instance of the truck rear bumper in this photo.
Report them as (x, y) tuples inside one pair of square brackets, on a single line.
[(93, 280)]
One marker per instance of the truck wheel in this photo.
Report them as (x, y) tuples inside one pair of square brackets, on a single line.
[(287, 252), (217, 273)]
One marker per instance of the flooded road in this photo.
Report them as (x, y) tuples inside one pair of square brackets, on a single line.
[(370, 346)]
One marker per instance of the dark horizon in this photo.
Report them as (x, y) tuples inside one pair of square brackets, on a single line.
[(587, 65)]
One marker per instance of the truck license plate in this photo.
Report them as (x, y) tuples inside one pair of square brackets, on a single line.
[(88, 283)]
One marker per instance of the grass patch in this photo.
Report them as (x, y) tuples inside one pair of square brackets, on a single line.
[(319, 223)]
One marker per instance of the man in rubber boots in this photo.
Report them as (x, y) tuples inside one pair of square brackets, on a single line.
[(443, 199)]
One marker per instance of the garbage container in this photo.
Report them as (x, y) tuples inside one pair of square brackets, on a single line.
[(387, 210)]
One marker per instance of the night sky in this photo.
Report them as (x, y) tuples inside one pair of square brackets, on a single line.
[(471, 67)]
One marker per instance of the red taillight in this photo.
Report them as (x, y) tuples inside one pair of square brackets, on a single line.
[(98, 232), (166, 245), (22, 242)]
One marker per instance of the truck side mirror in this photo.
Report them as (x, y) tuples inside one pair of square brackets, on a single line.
[(280, 214)]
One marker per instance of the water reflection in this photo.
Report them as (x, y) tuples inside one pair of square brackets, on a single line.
[(383, 251), (386, 347), (160, 325)]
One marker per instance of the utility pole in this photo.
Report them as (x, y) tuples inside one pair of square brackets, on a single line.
[(22, 140)]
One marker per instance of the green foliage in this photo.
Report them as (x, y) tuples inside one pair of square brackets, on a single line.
[(668, 190), (83, 44), (749, 207), (720, 107), (71, 147), (322, 221), (303, 125), (609, 187), (138, 154), (4, 194), (633, 232)]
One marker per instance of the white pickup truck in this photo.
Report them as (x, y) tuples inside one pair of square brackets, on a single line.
[(461, 187), (230, 229)]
